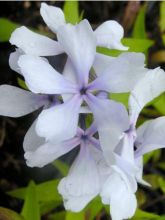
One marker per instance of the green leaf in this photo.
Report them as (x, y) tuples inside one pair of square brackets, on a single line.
[(141, 215), (94, 208), (61, 167), (30, 209), (22, 83), (46, 207), (153, 179), (162, 184), (77, 216), (7, 27), (159, 103), (46, 191), (120, 97), (135, 45), (71, 12), (8, 214), (139, 30), (58, 216), (162, 16)]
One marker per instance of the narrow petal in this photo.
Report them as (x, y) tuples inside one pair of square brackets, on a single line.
[(122, 74), (148, 88), (118, 193), (60, 122), (82, 183), (13, 60), (80, 47), (70, 74), (33, 43), (153, 136), (109, 34), (48, 152), (31, 140), (41, 77), (139, 173), (53, 16), (101, 63), (111, 119), (15, 102)]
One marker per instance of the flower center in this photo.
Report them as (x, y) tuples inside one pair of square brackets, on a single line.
[(83, 91)]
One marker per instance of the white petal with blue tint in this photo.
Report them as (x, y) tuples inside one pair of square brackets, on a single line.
[(60, 122), (109, 34), (101, 63), (53, 16), (80, 47), (118, 193), (153, 137), (122, 74), (48, 152), (15, 102), (148, 88), (111, 119), (41, 77), (33, 43), (31, 140), (13, 60), (82, 183)]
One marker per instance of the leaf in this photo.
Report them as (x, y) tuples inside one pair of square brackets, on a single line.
[(61, 167), (8, 214), (139, 30), (71, 12), (58, 216), (46, 207), (159, 103), (153, 179), (7, 27), (46, 191), (120, 97), (135, 45), (77, 216), (30, 209), (162, 16), (141, 215), (162, 184), (22, 83), (94, 208)]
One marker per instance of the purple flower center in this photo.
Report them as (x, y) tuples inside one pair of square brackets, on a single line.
[(83, 91)]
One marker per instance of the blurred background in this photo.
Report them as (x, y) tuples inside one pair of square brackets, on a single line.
[(144, 25)]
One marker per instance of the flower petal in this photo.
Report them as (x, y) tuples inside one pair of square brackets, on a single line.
[(101, 63), (111, 119), (41, 77), (153, 136), (48, 152), (53, 16), (109, 34), (60, 122), (80, 47), (82, 183), (118, 193), (13, 60), (69, 74), (33, 43), (15, 102), (122, 74), (31, 140), (148, 88), (139, 173)]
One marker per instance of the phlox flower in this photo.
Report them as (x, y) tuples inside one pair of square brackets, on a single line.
[(125, 158), (60, 122)]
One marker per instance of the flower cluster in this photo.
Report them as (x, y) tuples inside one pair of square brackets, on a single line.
[(109, 162)]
